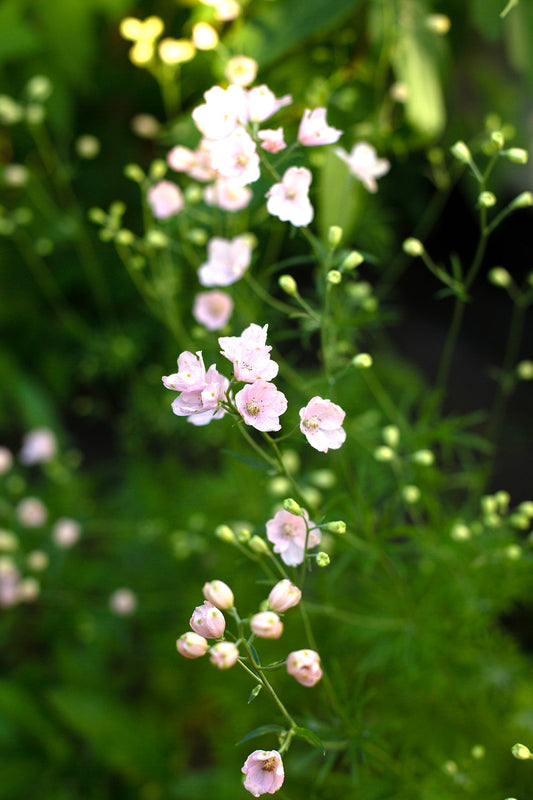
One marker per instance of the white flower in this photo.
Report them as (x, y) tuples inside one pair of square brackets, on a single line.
[(364, 164)]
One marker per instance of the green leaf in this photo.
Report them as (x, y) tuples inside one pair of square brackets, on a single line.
[(309, 736), (341, 196), (260, 731), (22, 711), (250, 462), (255, 691)]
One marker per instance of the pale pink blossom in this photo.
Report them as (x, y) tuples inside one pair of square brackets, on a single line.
[(66, 532), (123, 602), (38, 445), (236, 157), (10, 580), (224, 9), (304, 666), (192, 645), (6, 460), (202, 405), (212, 309), (321, 423), (264, 772), (241, 70), (165, 199), (260, 405), (191, 374), (221, 112), (288, 533), (364, 164), (227, 261), (289, 199), (249, 354), (266, 625), (272, 140), (284, 595), (314, 129), (262, 103), (195, 163), (219, 594), (224, 655), (181, 159), (208, 621), (31, 512), (227, 194)]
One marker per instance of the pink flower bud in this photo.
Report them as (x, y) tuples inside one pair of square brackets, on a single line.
[(284, 595), (219, 594), (192, 645), (267, 625), (264, 772), (304, 666), (223, 655), (208, 621)]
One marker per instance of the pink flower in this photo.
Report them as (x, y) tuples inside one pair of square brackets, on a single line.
[(321, 423), (236, 157), (273, 140), (66, 532), (289, 199), (165, 199), (264, 772), (262, 103), (283, 596), (219, 115), (249, 354), (192, 645), (266, 625), (38, 445), (219, 594), (227, 194), (212, 309), (123, 602), (260, 405), (364, 164), (191, 374), (197, 163), (314, 129), (202, 405), (208, 621), (6, 460), (224, 655), (31, 512), (227, 261), (304, 666), (288, 532)]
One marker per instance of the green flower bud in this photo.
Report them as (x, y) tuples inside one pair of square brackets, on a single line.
[(124, 237), (334, 277), (39, 88), (158, 169), (87, 146), (423, 457), (384, 454), (292, 506), (513, 552), (524, 370), (156, 238), (411, 494), (460, 532), (334, 235), (519, 521), (322, 559), (339, 526), (524, 200), (134, 173), (438, 23), (498, 139), (198, 236), (517, 155), (477, 751), (258, 545), (193, 194), (352, 261), (487, 200), (461, 152), (225, 533), (500, 277), (362, 361), (289, 285), (503, 499), (521, 752), (413, 247), (391, 435), (526, 508), (244, 536)]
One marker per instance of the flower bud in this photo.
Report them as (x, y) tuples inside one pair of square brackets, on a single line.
[(334, 277), (224, 655), (413, 247), (526, 508), (338, 526), (258, 545), (384, 454), (158, 169), (243, 536), (500, 277), (322, 559), (289, 285), (241, 70), (175, 51), (503, 499), (134, 173), (266, 625), (487, 199), (519, 521), (513, 552), (391, 435), (423, 457), (334, 235), (517, 155), (204, 36), (87, 146), (461, 152), (460, 532), (352, 261), (478, 751), (37, 560), (124, 237), (192, 645), (521, 752), (524, 370), (438, 23), (304, 666), (39, 88), (219, 594), (292, 506), (157, 239), (411, 494), (524, 200), (225, 533), (208, 621), (362, 361), (498, 139), (283, 596)]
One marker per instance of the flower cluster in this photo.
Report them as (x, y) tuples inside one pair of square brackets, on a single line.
[(200, 391)]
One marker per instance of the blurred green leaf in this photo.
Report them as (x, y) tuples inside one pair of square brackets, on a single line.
[(341, 196), (260, 731), (309, 736), (21, 709), (22, 40)]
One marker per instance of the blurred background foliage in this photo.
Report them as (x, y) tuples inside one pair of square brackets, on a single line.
[(94, 704)]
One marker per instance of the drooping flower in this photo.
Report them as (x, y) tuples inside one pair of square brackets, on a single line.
[(272, 140), (224, 655), (249, 354), (364, 164), (266, 625), (219, 594), (235, 156), (227, 261), (260, 405), (202, 405), (288, 532), (192, 645), (208, 621), (227, 194), (165, 199), (284, 595), (191, 374), (314, 129), (212, 309), (304, 666), (321, 423), (264, 772), (289, 200)]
